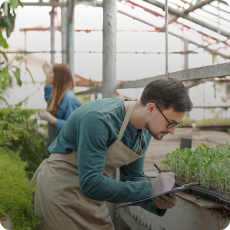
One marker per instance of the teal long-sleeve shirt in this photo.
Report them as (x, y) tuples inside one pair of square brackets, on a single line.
[(91, 130)]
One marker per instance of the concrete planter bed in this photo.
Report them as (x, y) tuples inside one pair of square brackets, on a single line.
[(207, 194), (188, 214), (6, 223)]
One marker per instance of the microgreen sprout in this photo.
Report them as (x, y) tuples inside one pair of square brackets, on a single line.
[(207, 165)]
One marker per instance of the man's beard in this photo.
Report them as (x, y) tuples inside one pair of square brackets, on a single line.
[(156, 136)]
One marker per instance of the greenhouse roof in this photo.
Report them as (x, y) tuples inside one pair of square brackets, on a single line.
[(205, 24)]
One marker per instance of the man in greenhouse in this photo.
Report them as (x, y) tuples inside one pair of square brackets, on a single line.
[(73, 183)]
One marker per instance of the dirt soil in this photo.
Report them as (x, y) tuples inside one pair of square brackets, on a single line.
[(169, 143)]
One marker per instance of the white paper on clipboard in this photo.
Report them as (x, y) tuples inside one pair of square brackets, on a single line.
[(149, 199)]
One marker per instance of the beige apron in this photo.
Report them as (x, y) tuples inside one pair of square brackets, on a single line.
[(58, 197)]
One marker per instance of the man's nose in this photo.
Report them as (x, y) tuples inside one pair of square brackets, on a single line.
[(171, 130)]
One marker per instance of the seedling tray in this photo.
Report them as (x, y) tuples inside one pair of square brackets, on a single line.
[(207, 194)]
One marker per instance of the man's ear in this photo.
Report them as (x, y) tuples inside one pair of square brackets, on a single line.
[(151, 107)]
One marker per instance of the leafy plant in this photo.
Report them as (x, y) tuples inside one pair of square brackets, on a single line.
[(83, 98), (26, 136), (16, 195), (215, 121), (209, 166), (9, 70), (8, 15), (22, 139), (20, 126)]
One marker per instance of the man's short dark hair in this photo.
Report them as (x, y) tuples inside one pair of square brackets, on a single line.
[(167, 93)]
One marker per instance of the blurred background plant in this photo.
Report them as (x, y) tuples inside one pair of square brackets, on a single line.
[(15, 194), (9, 69), (22, 138), (217, 120), (25, 135)]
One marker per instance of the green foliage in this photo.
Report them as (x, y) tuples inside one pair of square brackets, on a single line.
[(83, 98), (17, 76), (26, 136), (21, 138), (3, 42), (215, 121), (187, 121), (16, 196), (19, 128), (9, 17), (223, 87), (6, 79), (209, 166), (8, 70)]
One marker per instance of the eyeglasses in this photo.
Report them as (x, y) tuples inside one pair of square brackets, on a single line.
[(171, 124)]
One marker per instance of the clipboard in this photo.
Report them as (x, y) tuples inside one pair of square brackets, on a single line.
[(149, 199)]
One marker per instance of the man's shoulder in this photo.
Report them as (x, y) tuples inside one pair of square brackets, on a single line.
[(99, 109), (105, 105)]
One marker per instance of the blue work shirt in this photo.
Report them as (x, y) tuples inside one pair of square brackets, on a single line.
[(69, 103)]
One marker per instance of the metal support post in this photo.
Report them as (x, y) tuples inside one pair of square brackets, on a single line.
[(52, 33), (70, 36), (185, 61), (64, 33), (166, 39), (185, 55), (95, 87), (109, 82)]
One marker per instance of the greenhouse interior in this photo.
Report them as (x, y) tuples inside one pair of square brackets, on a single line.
[(66, 62)]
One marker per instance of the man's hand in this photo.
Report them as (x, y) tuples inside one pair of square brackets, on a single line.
[(162, 183), (165, 202)]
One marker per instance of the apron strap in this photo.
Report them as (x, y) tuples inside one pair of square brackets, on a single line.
[(126, 120)]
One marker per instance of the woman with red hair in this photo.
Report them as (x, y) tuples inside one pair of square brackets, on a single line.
[(59, 96)]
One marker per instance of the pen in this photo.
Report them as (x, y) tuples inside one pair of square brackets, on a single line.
[(160, 171)]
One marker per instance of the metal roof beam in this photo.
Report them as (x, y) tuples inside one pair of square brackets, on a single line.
[(209, 12), (188, 17), (206, 72), (172, 33), (41, 3), (191, 9), (197, 6)]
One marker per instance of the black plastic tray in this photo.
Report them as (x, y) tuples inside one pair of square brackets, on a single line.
[(207, 194)]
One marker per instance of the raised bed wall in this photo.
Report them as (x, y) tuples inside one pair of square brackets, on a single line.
[(184, 216)]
